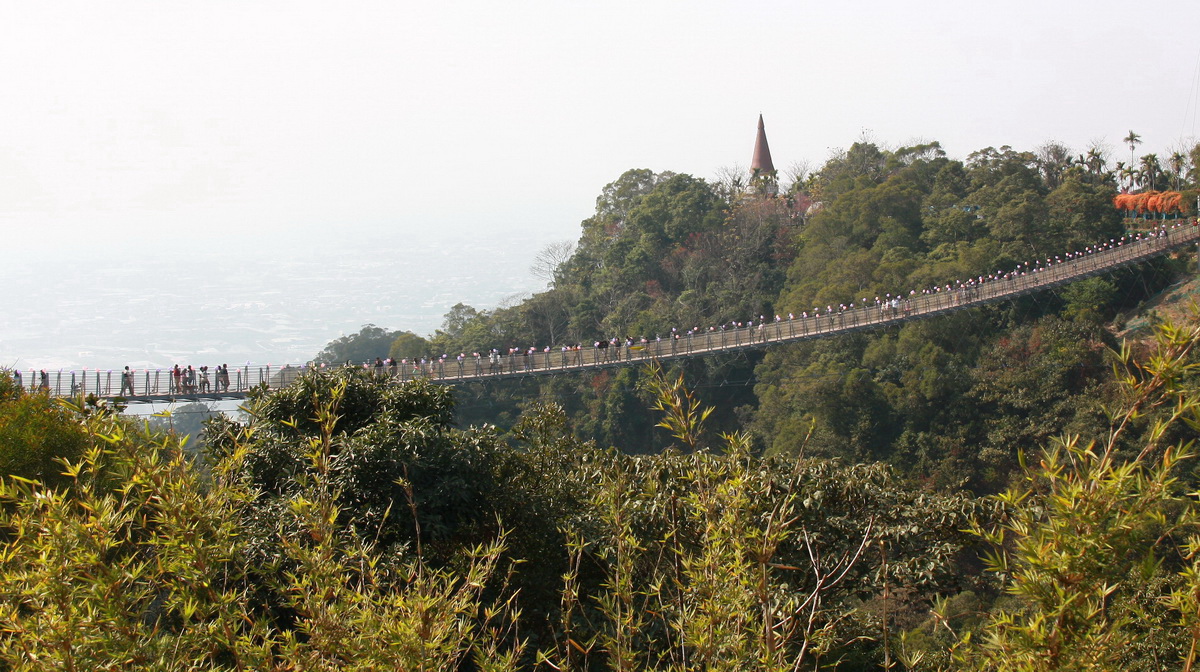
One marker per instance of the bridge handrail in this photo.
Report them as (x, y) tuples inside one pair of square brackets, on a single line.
[(159, 384)]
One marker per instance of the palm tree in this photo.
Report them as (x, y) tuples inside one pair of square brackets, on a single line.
[(1133, 140), (1095, 165), (1176, 161), (1151, 171), (1124, 173)]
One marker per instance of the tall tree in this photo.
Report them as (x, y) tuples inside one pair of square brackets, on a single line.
[(1095, 164), (547, 262), (1133, 140), (1151, 172), (1053, 160), (1177, 161)]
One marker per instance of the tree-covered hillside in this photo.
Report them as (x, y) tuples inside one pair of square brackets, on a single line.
[(950, 400), (1003, 488)]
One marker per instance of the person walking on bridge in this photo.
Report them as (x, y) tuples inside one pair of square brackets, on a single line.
[(126, 382)]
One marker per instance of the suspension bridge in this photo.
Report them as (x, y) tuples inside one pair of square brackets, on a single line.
[(161, 385)]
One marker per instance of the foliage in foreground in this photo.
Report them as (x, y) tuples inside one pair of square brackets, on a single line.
[(285, 553), (1097, 546), (35, 432), (140, 564), (288, 554)]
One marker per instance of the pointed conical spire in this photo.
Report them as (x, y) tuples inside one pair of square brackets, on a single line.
[(761, 163)]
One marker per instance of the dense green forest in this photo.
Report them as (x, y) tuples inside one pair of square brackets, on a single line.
[(949, 401), (1010, 487)]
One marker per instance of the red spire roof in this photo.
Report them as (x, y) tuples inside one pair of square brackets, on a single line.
[(761, 163)]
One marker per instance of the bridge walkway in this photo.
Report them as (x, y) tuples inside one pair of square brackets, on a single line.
[(159, 386)]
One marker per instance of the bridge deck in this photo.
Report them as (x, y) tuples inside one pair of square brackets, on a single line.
[(159, 386)]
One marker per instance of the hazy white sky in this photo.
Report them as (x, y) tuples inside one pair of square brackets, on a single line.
[(168, 121)]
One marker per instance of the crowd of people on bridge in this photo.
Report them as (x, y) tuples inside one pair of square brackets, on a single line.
[(518, 359), (514, 359), (179, 381), (197, 381)]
